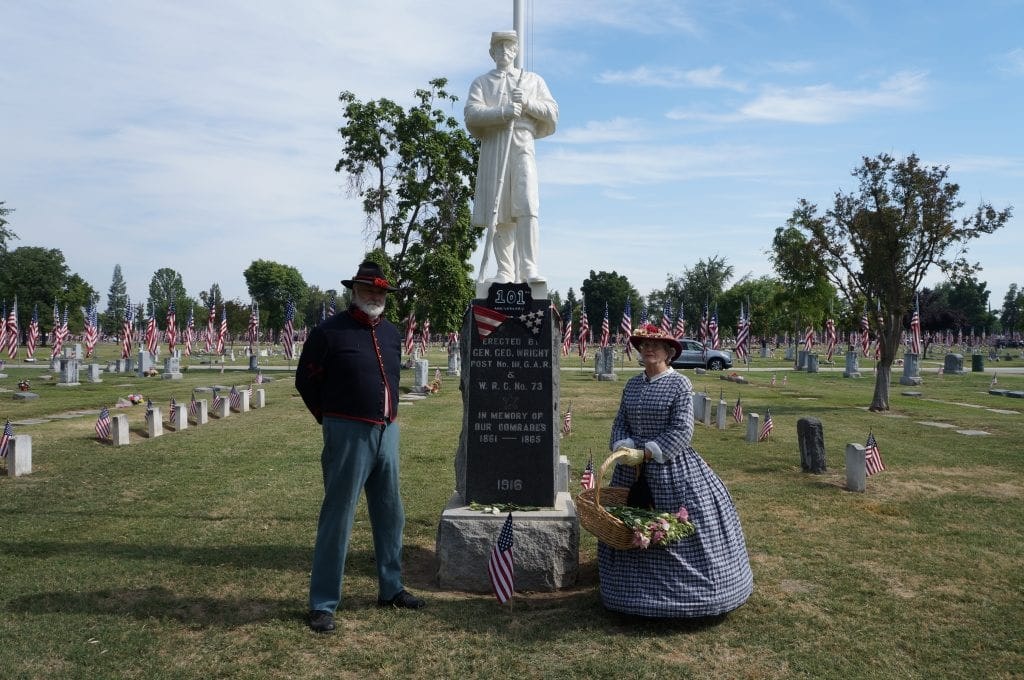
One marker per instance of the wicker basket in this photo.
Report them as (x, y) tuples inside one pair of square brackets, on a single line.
[(608, 529)]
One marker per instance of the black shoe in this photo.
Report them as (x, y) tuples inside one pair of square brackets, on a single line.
[(404, 600), (321, 622)]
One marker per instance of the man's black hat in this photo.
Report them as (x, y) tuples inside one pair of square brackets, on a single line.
[(371, 274)]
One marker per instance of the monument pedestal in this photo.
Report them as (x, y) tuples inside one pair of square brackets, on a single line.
[(546, 546)]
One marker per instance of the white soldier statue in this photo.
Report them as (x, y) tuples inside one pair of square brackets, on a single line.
[(507, 109)]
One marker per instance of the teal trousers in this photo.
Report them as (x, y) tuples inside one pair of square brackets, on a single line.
[(357, 456)]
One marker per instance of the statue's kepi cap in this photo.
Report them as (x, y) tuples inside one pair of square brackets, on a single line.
[(370, 274), (504, 36)]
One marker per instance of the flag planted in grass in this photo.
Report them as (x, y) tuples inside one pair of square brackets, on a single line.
[(768, 426), (235, 399), (8, 435), (103, 424), (737, 411), (872, 456), (587, 480), (500, 567)]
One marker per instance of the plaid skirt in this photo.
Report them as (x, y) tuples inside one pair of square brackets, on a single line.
[(702, 575)]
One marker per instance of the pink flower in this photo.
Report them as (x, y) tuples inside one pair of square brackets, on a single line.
[(639, 540), (683, 514), (657, 536)]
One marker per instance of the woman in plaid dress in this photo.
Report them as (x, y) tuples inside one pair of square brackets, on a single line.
[(703, 575)]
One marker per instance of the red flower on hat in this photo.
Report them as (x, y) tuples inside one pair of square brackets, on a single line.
[(381, 283)]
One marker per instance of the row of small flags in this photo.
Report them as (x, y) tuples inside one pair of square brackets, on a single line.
[(103, 421)]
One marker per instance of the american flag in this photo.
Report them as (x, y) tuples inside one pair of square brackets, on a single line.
[(58, 337), (702, 330), (323, 312), (872, 456), (666, 318), (713, 330), (410, 329), (995, 381), (809, 339), (768, 426), (626, 328), (33, 334), (254, 327), (500, 567), (865, 334), (193, 407), (5, 440), (287, 335), (103, 424), (3, 326), (831, 338), (332, 309), (680, 331), (92, 331), (643, 316), (584, 331), (742, 334), (487, 321), (126, 330), (235, 399), (152, 339), (773, 380), (587, 480), (567, 333), (171, 408), (737, 411), (605, 328), (223, 331), (211, 318), (915, 329), (172, 327), (190, 332), (217, 400), (13, 333), (424, 337), (567, 422)]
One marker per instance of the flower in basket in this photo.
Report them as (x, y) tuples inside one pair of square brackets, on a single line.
[(652, 528), (24, 385)]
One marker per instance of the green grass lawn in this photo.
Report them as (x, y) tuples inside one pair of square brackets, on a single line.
[(188, 555)]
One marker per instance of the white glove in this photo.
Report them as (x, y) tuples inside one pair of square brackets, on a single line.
[(517, 96), (633, 457)]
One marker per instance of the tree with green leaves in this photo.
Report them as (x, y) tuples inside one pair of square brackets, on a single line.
[(414, 170), (166, 287), (5, 233), (878, 243), (805, 296), (272, 285), (117, 298), (1012, 316), (698, 285), (611, 288), (34, 275)]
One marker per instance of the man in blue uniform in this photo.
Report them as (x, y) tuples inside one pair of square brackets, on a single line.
[(348, 378)]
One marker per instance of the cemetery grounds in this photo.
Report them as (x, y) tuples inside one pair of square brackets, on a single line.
[(187, 555)]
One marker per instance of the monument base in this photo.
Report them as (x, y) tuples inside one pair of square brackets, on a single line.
[(538, 290), (171, 376), (547, 546), (911, 380)]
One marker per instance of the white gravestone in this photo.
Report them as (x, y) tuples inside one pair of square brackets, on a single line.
[(707, 411), (421, 372), (68, 373), (179, 418), (154, 423), (259, 398), (19, 456), (201, 416), (119, 430), (752, 427), (852, 366), (172, 368), (222, 409), (94, 373), (720, 419), (145, 363)]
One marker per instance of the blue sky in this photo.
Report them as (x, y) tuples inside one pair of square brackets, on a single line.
[(202, 136)]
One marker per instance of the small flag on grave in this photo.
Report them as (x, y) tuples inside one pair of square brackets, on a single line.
[(103, 424)]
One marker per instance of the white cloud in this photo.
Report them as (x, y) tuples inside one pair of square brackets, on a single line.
[(1013, 62), (670, 77), (605, 132)]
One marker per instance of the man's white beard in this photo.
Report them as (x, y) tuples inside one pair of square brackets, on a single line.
[(370, 310)]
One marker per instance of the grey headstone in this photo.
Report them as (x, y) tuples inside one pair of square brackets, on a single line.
[(259, 398), (812, 362), (154, 423), (25, 396), (145, 363), (811, 435), (720, 419), (753, 427), (254, 363), (953, 364), (94, 373), (223, 408), (801, 360), (172, 368), (119, 429), (421, 375), (68, 372), (856, 468), (77, 352), (852, 369), (911, 374), (179, 419), (19, 456), (977, 363), (699, 405), (789, 353), (708, 411), (454, 364)]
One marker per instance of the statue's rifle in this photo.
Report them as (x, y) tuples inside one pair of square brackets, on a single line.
[(492, 224)]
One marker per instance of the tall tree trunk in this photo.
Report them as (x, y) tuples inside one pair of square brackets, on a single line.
[(880, 399)]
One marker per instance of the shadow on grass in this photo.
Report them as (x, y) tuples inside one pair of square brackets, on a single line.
[(159, 603)]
